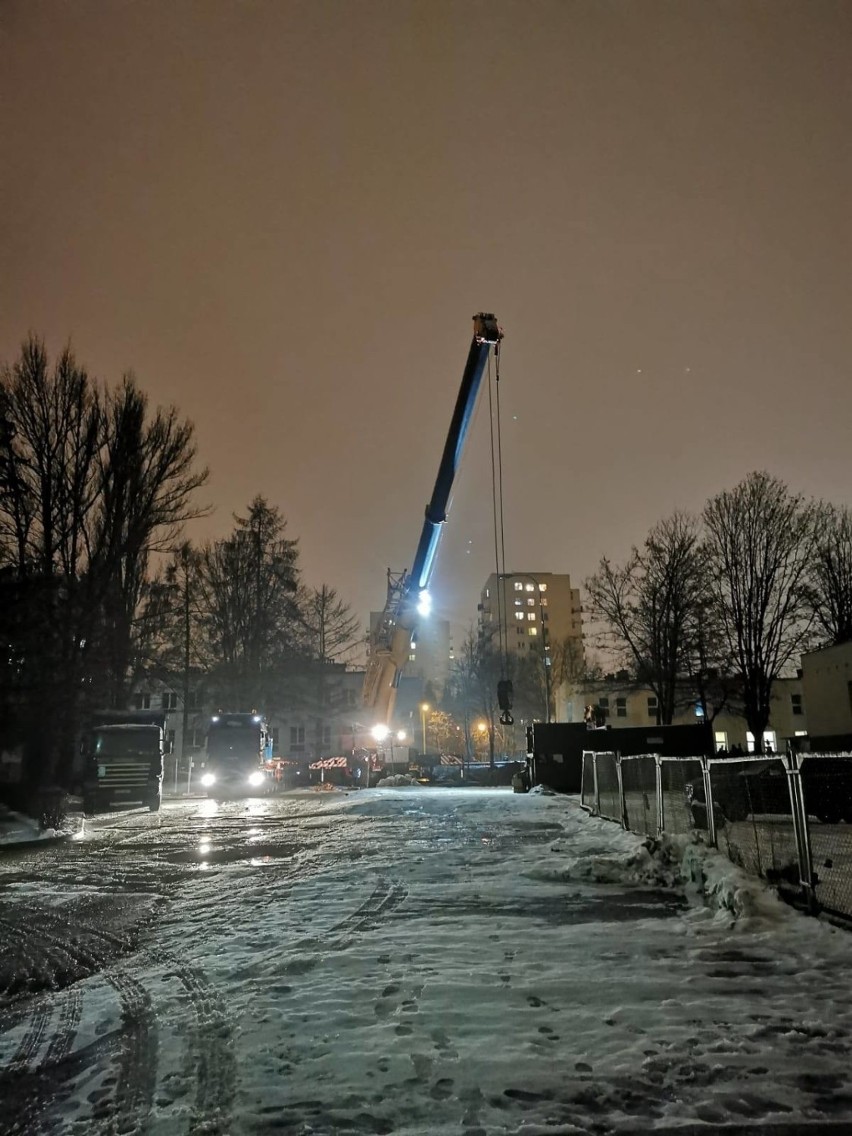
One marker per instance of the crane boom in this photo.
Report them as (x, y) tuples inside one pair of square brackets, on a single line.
[(390, 640)]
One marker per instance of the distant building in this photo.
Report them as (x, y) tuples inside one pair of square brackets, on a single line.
[(430, 655), (624, 704), (534, 610), (301, 727), (827, 685)]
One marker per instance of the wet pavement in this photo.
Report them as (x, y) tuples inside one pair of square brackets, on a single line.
[(316, 963)]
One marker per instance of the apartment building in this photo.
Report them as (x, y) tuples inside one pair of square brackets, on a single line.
[(533, 609)]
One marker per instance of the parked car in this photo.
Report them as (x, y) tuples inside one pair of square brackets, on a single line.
[(758, 788)]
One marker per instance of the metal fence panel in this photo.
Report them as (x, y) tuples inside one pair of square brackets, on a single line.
[(676, 773), (608, 790), (827, 792), (587, 785), (754, 817), (639, 783)]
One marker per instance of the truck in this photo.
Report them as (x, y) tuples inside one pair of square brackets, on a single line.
[(122, 766), (408, 591), (238, 761)]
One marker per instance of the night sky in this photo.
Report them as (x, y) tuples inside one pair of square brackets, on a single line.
[(283, 215)]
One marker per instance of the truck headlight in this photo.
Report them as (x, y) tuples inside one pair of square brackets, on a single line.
[(207, 780), (256, 778)]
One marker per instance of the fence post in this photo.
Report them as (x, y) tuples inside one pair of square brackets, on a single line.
[(708, 801), (621, 801), (661, 811), (597, 811), (801, 830)]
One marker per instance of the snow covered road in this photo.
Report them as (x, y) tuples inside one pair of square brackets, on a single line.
[(412, 961)]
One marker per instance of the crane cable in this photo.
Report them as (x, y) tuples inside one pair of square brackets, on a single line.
[(499, 533)]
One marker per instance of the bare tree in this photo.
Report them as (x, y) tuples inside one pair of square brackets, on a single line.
[(148, 481), (830, 590), (759, 541), (472, 689), (49, 439), (333, 630), (649, 605), (88, 486)]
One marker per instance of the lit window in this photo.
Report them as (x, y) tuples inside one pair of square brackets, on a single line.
[(543, 602), (542, 587), (530, 587), (531, 616), (532, 631), (519, 615), (519, 587), (518, 603), (530, 602), (412, 658)]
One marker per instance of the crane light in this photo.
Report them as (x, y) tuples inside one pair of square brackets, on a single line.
[(424, 603)]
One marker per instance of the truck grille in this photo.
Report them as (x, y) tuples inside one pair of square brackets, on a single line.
[(123, 774)]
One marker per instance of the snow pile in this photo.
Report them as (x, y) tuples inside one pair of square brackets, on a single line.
[(15, 828), (396, 780), (729, 889), (597, 851)]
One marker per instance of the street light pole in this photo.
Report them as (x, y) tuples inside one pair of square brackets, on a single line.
[(424, 707)]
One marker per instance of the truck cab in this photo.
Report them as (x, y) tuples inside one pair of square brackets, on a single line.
[(236, 753), (123, 764)]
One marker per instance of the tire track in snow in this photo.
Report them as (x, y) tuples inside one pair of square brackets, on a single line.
[(31, 1042), (135, 1075), (211, 1052)]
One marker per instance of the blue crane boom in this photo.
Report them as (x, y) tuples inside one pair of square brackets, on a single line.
[(390, 640)]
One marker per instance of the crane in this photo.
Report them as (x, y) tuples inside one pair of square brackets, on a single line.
[(407, 594)]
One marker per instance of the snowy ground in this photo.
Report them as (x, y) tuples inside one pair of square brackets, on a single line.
[(413, 961)]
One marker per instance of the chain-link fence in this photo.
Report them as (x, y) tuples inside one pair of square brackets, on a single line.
[(787, 819)]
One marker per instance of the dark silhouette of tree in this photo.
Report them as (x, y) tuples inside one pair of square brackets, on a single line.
[(650, 605), (472, 687), (252, 623), (89, 484), (759, 551), (830, 585), (331, 633), (148, 482)]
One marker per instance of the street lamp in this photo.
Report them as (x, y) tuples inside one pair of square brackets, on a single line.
[(544, 644), (424, 709), (379, 733)]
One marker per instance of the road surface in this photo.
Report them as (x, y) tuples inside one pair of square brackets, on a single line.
[(413, 961)]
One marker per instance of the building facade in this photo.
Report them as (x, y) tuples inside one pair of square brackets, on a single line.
[(827, 679), (533, 610), (625, 704), (299, 730)]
